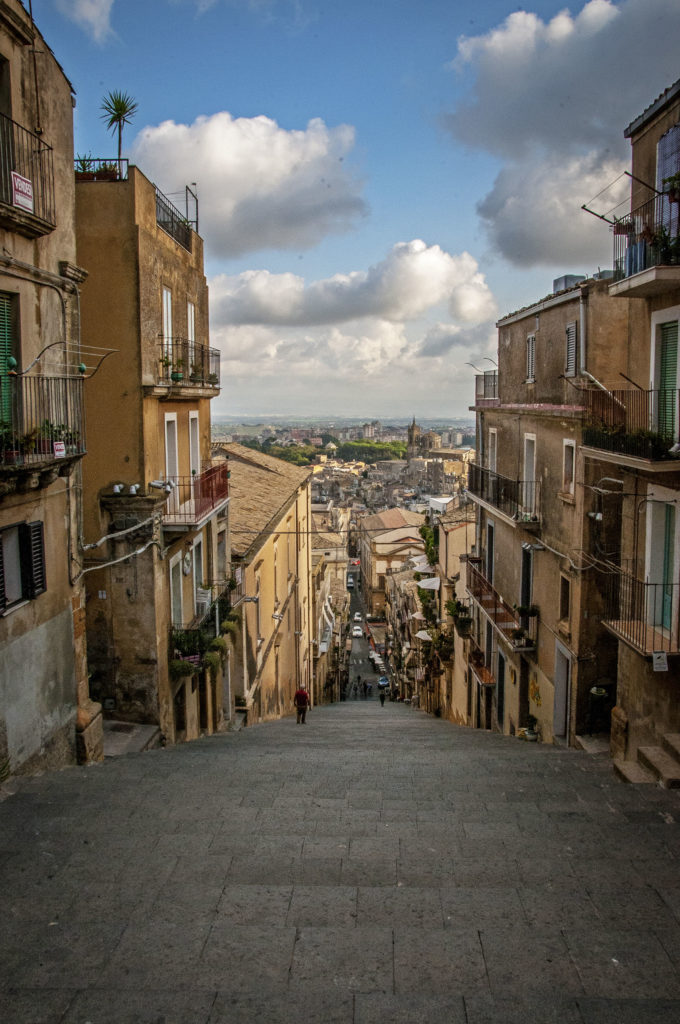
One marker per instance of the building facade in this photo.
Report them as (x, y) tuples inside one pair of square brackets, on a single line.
[(155, 508), (45, 710)]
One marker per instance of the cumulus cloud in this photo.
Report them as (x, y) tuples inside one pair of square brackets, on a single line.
[(412, 279), (551, 100), (266, 187), (92, 15)]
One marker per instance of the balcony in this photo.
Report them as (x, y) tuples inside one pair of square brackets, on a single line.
[(517, 500), (486, 388), (194, 499), (480, 670), (519, 631), (647, 250), (89, 168), (644, 615), (186, 364), (632, 422), (26, 181), (41, 421), (172, 221)]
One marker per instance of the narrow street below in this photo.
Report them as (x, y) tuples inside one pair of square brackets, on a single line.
[(373, 865)]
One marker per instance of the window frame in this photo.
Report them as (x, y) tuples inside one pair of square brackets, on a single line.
[(530, 359), (568, 486), (30, 567)]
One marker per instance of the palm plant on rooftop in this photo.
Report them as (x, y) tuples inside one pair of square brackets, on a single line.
[(118, 109)]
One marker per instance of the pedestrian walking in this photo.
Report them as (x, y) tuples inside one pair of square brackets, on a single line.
[(382, 698), (301, 702)]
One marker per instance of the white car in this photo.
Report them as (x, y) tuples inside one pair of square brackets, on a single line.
[(357, 616), (357, 631)]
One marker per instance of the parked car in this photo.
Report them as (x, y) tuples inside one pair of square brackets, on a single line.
[(357, 616), (357, 631), (383, 681), (350, 582)]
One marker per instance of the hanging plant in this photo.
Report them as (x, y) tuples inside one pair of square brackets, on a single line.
[(180, 669), (211, 662)]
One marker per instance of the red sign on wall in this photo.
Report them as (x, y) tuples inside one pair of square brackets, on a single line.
[(22, 192)]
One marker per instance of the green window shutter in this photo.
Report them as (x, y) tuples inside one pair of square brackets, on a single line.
[(5, 353), (668, 380), (570, 361), (32, 540)]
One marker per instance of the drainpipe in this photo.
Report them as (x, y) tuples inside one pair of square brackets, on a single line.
[(582, 315)]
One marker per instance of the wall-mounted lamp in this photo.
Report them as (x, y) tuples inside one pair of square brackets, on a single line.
[(275, 615), (134, 488), (117, 488)]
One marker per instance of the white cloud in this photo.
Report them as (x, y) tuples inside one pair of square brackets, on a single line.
[(551, 100), (92, 15), (412, 279), (265, 187)]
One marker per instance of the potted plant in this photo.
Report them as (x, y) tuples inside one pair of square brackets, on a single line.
[(530, 733), (180, 669), (212, 378), (196, 375), (622, 227), (177, 372), (107, 172), (84, 168), (671, 186)]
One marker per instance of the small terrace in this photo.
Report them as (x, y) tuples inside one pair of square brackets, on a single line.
[(518, 500), (26, 181), (480, 670), (172, 221), (486, 388), (518, 630), (631, 421), (647, 249), (644, 615), (184, 363), (91, 168), (41, 420), (194, 499)]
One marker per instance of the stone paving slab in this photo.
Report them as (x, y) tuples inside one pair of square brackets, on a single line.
[(378, 866)]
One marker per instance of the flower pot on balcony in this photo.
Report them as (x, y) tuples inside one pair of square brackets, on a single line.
[(12, 457), (176, 375)]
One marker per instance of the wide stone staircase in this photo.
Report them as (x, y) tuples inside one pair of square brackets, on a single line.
[(655, 765)]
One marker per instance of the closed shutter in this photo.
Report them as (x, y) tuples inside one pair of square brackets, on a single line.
[(668, 380), (5, 353), (570, 362), (531, 357), (32, 542), (3, 593), (667, 164)]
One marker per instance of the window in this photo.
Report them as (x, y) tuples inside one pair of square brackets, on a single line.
[(22, 564), (191, 333), (531, 358), (565, 597), (167, 323), (568, 463), (194, 445), (570, 357), (7, 334), (493, 447)]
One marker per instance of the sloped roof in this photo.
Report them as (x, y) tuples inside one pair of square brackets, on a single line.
[(391, 519), (667, 96), (260, 488)]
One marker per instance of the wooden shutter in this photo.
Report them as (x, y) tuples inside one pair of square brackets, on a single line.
[(32, 546), (668, 380), (3, 593), (570, 361), (5, 353), (531, 357)]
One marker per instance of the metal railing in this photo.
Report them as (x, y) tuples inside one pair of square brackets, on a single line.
[(645, 615), (647, 237), (517, 499), (631, 421), (486, 386), (26, 172), (520, 631), (172, 221), (185, 362), (96, 168), (194, 498), (41, 419)]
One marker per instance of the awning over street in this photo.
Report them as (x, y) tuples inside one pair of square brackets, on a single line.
[(430, 584)]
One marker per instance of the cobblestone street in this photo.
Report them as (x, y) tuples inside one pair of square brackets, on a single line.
[(374, 865)]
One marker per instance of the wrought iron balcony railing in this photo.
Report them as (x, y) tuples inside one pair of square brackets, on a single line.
[(193, 499), (520, 631), (41, 419), (517, 499), (172, 221), (26, 180), (482, 671), (486, 386), (643, 424), (645, 615), (647, 237), (188, 364), (95, 168)]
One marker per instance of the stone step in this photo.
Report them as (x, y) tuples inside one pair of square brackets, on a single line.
[(633, 771), (665, 767), (671, 744)]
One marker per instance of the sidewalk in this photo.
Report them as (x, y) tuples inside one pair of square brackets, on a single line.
[(376, 866)]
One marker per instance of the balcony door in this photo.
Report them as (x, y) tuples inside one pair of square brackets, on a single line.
[(172, 459), (668, 568), (6, 346), (529, 480)]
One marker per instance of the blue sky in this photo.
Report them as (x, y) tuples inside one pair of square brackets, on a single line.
[(379, 180)]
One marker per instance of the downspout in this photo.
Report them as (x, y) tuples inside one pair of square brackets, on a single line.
[(582, 327)]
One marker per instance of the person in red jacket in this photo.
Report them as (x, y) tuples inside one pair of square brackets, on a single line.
[(301, 702)]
